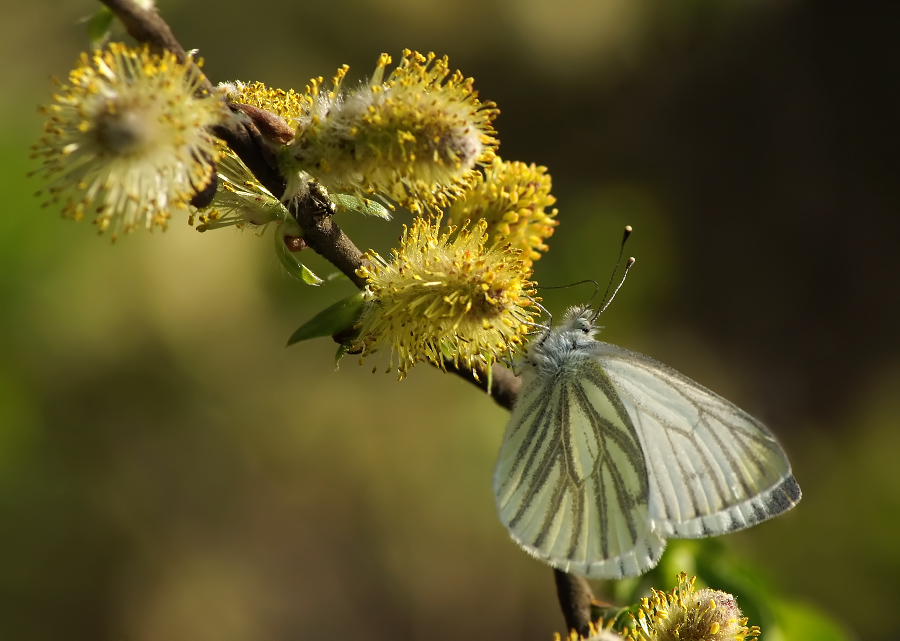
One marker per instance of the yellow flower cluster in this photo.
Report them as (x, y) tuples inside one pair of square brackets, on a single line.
[(287, 104), (445, 296), (416, 137), (128, 140), (514, 199), (688, 615), (598, 632)]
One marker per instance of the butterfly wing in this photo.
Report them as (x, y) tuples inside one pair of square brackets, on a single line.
[(712, 468), (571, 481)]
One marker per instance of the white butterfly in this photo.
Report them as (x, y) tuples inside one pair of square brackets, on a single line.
[(608, 453)]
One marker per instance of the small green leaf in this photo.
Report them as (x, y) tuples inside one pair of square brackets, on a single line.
[(100, 25), (342, 350), (336, 319), (289, 260), (361, 205), (308, 277)]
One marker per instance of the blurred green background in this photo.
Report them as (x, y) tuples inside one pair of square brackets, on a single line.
[(169, 471)]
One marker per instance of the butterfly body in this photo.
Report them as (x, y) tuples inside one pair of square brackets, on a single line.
[(608, 453)]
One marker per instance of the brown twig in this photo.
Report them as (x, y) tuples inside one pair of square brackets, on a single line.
[(320, 232), (504, 388), (147, 26), (575, 597), (324, 237)]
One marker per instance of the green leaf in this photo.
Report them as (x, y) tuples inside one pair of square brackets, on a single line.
[(361, 205), (336, 319), (290, 262), (100, 25), (308, 277), (342, 350)]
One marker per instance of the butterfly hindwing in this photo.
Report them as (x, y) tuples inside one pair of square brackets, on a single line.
[(571, 482), (608, 453), (712, 467)]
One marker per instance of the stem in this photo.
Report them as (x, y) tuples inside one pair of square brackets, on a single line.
[(329, 241), (505, 385), (320, 232), (574, 592), (575, 598), (147, 26)]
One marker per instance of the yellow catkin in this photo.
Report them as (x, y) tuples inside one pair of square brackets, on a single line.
[(445, 295), (415, 137), (127, 139)]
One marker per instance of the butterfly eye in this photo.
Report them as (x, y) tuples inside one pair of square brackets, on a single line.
[(584, 326)]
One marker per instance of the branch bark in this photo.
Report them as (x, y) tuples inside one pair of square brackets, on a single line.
[(148, 27), (575, 599)]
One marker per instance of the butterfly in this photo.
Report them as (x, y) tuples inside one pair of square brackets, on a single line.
[(609, 452)]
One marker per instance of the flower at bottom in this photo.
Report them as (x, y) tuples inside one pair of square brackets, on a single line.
[(445, 296), (598, 632), (688, 615), (127, 138)]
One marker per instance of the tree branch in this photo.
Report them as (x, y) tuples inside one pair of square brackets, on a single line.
[(329, 241), (575, 599), (505, 385), (574, 593), (320, 231), (321, 234), (147, 26)]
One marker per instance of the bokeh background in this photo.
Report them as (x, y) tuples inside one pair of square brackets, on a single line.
[(170, 471)]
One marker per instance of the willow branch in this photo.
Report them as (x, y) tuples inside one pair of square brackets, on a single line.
[(147, 26), (574, 592), (327, 239), (320, 232), (504, 385), (575, 599)]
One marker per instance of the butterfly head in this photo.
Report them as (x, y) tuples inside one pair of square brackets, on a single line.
[(579, 319), (556, 347)]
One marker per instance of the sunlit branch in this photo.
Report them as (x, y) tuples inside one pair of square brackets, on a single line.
[(327, 239), (321, 234)]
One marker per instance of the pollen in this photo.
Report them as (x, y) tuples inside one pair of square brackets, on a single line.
[(287, 104), (445, 297), (416, 137), (127, 139), (515, 201), (686, 614)]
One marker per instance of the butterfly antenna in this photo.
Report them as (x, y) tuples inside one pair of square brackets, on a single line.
[(628, 265), (625, 236), (578, 282)]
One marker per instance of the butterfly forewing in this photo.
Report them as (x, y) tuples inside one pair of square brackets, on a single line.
[(609, 452), (571, 481), (712, 467)]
